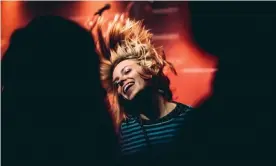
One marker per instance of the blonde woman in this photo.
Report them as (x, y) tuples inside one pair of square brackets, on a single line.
[(132, 71)]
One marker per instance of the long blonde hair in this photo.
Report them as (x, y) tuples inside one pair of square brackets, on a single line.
[(129, 39)]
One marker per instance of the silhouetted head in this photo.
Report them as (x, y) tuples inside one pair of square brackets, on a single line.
[(53, 95), (51, 52)]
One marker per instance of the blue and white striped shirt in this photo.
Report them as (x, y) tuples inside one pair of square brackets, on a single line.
[(138, 136)]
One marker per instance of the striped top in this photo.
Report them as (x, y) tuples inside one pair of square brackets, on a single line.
[(139, 136)]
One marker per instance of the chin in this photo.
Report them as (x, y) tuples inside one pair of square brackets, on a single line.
[(131, 96)]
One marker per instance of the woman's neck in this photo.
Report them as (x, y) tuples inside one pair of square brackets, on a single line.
[(148, 104), (157, 108)]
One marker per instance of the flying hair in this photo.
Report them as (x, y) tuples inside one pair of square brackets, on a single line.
[(128, 39)]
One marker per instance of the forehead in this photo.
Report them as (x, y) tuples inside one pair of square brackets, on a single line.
[(117, 70)]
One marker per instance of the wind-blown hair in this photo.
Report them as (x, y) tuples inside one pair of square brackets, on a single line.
[(129, 39)]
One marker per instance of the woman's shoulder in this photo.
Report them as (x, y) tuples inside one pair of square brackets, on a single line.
[(183, 108)]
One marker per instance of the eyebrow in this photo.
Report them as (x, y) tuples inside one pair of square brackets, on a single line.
[(121, 73)]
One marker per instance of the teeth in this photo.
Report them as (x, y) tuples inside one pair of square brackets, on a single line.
[(126, 86)]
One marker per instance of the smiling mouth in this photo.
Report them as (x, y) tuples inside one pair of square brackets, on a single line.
[(127, 86)]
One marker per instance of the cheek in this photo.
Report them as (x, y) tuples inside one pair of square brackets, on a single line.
[(142, 83), (119, 90)]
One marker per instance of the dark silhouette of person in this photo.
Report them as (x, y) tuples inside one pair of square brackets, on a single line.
[(234, 126), (53, 104)]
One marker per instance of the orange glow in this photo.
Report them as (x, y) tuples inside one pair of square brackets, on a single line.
[(195, 68), (12, 18), (196, 71), (84, 10)]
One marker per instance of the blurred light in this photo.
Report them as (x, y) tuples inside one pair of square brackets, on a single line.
[(165, 36), (90, 23)]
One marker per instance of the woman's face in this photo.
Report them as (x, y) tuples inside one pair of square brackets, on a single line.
[(127, 79)]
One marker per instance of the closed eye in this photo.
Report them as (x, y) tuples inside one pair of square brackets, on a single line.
[(127, 70)]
